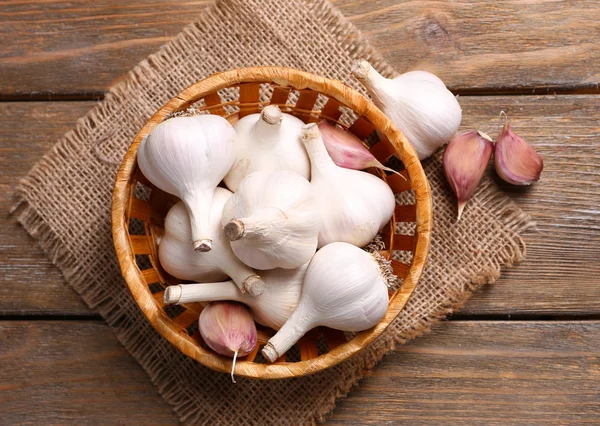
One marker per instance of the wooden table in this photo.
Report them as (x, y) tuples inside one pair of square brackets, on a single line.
[(523, 351)]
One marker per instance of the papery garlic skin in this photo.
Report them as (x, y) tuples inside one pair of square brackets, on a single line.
[(272, 220), (177, 258), (353, 205), (346, 150), (465, 160), (417, 102), (283, 288), (343, 289), (188, 157), (228, 329), (515, 160), (268, 141)]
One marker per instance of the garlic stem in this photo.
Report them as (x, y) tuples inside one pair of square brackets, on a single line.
[(256, 225), (320, 160), (267, 128), (206, 292), (369, 77), (198, 208), (271, 114), (292, 331), (234, 230)]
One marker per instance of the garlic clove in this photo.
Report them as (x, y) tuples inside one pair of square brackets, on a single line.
[(228, 329), (515, 160), (465, 160), (346, 150)]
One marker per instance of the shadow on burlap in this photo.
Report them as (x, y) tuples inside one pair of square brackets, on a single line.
[(66, 198)]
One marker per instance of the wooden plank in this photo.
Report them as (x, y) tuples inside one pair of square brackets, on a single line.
[(473, 46), (482, 46), (80, 48), (561, 271), (28, 280), (528, 373), (559, 276), (484, 373), (68, 372)]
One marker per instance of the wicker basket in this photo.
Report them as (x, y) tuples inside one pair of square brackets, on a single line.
[(139, 209)]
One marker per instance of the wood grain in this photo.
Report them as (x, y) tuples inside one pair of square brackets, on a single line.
[(479, 46), (485, 373), (80, 48), (29, 282), (561, 271), (559, 275), (56, 372), (530, 373)]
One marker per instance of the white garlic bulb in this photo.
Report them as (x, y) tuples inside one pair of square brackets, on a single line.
[(417, 102), (343, 289), (272, 309), (272, 220), (177, 258), (268, 141), (188, 157), (353, 205)]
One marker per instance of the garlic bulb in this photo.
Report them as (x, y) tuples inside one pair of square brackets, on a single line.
[(228, 329), (465, 159), (515, 160), (347, 151), (353, 205), (272, 309), (268, 141), (343, 289), (417, 102), (178, 260), (188, 157), (272, 220)]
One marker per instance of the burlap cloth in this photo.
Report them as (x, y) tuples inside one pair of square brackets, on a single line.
[(66, 202)]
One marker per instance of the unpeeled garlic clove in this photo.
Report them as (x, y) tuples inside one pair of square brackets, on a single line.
[(515, 160), (465, 160), (228, 329), (346, 150)]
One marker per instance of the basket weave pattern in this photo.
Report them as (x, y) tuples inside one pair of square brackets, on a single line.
[(139, 210)]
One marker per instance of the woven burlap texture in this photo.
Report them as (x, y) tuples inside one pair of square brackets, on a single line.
[(66, 202)]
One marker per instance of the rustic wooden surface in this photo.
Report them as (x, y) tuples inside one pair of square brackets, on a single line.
[(528, 373), (60, 364)]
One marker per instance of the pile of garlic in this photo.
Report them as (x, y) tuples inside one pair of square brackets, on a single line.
[(283, 248)]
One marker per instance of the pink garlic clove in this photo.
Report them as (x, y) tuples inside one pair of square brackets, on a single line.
[(515, 160), (228, 329), (465, 160), (346, 150)]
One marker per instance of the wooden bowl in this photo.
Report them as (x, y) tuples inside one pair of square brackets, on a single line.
[(139, 209)]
